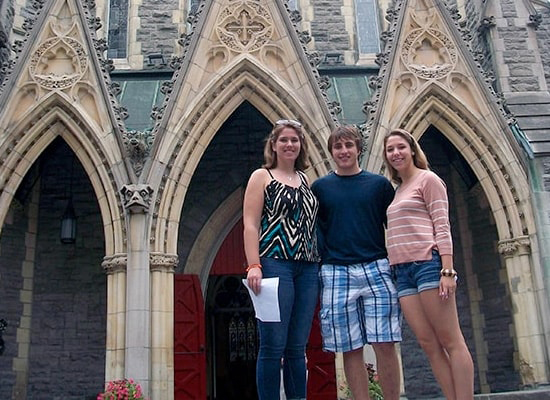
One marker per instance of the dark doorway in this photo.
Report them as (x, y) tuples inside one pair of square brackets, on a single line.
[(232, 339)]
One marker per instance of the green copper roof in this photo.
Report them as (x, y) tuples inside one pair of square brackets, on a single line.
[(140, 92)]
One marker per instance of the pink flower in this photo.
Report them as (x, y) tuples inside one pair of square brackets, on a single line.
[(122, 389)]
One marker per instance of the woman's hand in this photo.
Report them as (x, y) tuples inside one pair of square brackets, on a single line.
[(447, 287), (254, 278)]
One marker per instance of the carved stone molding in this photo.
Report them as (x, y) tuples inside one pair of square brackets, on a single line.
[(244, 26), (163, 262), (429, 53), (137, 197), (64, 73), (115, 263), (138, 146), (535, 20), (516, 246), (486, 24)]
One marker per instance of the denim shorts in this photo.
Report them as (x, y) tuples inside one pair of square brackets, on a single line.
[(359, 305), (417, 276)]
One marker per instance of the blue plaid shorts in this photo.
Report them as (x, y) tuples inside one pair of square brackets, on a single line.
[(359, 305)]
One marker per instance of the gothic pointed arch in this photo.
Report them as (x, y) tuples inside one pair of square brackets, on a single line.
[(495, 162), (430, 77), (245, 80), (212, 236), (23, 144)]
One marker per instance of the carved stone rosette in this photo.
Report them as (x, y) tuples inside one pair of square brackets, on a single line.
[(115, 263), (137, 197), (163, 262), (516, 246)]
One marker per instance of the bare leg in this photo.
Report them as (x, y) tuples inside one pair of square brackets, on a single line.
[(443, 317), (387, 364), (356, 374), (416, 317)]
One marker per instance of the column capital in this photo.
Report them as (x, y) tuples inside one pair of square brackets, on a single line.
[(114, 263), (163, 262), (520, 245)]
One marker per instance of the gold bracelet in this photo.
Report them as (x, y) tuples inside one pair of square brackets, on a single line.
[(253, 266), (450, 273)]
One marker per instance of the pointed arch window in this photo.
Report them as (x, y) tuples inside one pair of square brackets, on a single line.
[(118, 29), (368, 26)]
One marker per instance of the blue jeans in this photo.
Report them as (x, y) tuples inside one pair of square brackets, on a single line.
[(286, 340)]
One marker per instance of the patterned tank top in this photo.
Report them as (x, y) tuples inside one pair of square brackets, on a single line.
[(287, 228)]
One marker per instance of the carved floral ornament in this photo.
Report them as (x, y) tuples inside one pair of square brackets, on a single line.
[(244, 26), (114, 263), (58, 63), (163, 262), (512, 247), (429, 53)]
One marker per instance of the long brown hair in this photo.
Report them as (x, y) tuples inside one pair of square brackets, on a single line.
[(270, 157), (419, 157)]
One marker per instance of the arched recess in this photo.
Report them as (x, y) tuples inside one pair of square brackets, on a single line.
[(212, 235), (485, 142), (27, 140), (248, 81), (484, 145)]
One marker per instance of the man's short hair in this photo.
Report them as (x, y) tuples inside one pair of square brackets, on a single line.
[(345, 132)]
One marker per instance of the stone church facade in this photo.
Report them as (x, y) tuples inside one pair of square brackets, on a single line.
[(135, 126)]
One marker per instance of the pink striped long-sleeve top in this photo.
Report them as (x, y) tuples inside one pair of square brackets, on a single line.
[(418, 220)]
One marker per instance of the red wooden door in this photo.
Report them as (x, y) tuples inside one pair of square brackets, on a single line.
[(321, 383), (189, 339)]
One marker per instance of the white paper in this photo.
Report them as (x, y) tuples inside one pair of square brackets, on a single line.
[(266, 304)]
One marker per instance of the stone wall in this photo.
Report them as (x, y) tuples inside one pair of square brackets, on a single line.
[(68, 324), (543, 41), (158, 32), (12, 253), (517, 54), (328, 27)]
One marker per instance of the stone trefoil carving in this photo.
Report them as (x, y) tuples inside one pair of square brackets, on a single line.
[(429, 53), (244, 26), (137, 197), (59, 75)]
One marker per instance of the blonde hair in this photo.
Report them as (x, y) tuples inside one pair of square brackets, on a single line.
[(419, 157), (270, 157)]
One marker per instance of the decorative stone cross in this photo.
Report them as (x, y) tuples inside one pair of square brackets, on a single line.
[(244, 27)]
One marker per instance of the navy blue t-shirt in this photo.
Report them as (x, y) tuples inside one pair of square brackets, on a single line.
[(352, 217)]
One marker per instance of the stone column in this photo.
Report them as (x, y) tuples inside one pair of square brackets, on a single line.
[(531, 356), (162, 325), (137, 366), (115, 268)]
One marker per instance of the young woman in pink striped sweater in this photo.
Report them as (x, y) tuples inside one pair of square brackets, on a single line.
[(420, 250)]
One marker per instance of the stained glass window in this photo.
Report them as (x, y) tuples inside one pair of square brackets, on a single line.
[(118, 29), (368, 26)]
